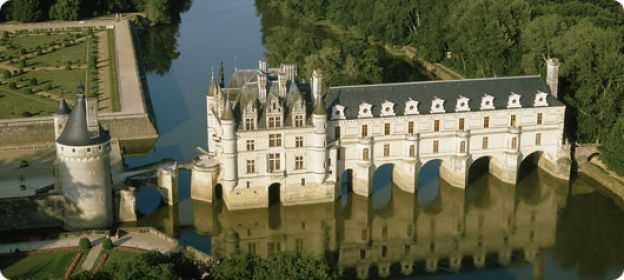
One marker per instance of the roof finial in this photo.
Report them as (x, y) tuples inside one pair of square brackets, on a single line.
[(235, 63)]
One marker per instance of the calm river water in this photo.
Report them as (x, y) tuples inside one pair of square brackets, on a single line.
[(541, 228)]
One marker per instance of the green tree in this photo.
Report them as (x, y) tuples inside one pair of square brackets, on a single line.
[(157, 11), (612, 149), (65, 10), (107, 244), (6, 74), (26, 10)]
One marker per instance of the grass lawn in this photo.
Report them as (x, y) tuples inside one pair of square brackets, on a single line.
[(42, 266), (75, 54), (13, 105), (118, 256), (64, 81)]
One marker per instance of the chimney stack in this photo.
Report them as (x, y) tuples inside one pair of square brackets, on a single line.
[(317, 79), (281, 80), (262, 66), (552, 76)]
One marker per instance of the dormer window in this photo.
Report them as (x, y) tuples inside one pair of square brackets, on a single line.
[(298, 120), (462, 104), (387, 109), (274, 114), (487, 102), (250, 116), (541, 99), (437, 106), (338, 112), (411, 107), (514, 100), (366, 110)]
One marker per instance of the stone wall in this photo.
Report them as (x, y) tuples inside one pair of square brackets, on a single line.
[(40, 131), (41, 211)]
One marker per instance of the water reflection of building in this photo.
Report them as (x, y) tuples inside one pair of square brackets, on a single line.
[(488, 223)]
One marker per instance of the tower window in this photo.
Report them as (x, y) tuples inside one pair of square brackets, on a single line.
[(486, 122), (386, 150), (436, 125), (436, 146), (387, 129), (302, 181), (485, 143), (462, 147), (365, 155), (514, 143), (538, 139), (337, 132), (540, 118), (412, 151), (461, 124), (364, 130), (513, 121), (410, 127)]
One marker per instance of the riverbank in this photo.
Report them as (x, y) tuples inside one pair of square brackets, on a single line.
[(609, 184)]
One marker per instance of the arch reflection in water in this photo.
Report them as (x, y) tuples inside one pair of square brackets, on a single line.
[(490, 223)]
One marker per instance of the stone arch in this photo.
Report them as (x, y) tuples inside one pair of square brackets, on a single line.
[(274, 194), (382, 185), (345, 184), (428, 185), (218, 192), (592, 156), (478, 169), (147, 199), (274, 199), (528, 164)]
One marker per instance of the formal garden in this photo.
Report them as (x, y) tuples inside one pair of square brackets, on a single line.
[(39, 66)]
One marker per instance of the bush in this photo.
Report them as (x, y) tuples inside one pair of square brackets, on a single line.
[(107, 244), (6, 74), (34, 82), (12, 85), (84, 243)]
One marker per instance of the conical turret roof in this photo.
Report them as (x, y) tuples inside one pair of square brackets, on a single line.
[(76, 132), (228, 115), (63, 108), (319, 107)]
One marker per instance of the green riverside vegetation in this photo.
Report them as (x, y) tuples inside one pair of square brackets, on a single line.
[(478, 38)]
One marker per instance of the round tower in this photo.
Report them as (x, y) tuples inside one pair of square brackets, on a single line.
[(61, 114), (83, 159), (318, 153), (211, 113), (228, 140)]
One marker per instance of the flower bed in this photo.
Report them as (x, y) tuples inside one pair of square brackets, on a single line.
[(101, 261), (73, 265), (130, 249), (41, 251)]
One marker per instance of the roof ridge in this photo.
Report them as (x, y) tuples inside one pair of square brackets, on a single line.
[(439, 81)]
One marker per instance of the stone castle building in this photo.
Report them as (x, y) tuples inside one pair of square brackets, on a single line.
[(270, 132), (83, 166)]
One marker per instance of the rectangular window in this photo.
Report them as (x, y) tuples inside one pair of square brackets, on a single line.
[(486, 122), (538, 139), (302, 181), (462, 147), (364, 130), (251, 145), (540, 118), (386, 150), (513, 121), (485, 143), (275, 140), (251, 166), (299, 121), (275, 122), (337, 132), (387, 129), (410, 127), (514, 143), (436, 146), (436, 125), (461, 124), (249, 124), (299, 141), (274, 162), (298, 162)]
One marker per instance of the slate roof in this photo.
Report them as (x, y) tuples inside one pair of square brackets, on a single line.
[(76, 132), (425, 92), (63, 108)]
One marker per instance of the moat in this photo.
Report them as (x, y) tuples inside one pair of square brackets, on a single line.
[(540, 228)]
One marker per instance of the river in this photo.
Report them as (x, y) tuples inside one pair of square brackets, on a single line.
[(540, 228)]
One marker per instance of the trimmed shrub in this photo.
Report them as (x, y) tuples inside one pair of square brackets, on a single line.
[(107, 244), (84, 243), (6, 74)]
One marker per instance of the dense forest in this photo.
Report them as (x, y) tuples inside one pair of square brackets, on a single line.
[(157, 11), (478, 38)]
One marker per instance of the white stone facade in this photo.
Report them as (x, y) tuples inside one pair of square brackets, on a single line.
[(257, 139)]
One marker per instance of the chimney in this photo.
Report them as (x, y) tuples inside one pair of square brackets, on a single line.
[(552, 75), (281, 80), (93, 125), (317, 79), (290, 70), (262, 91), (262, 65)]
